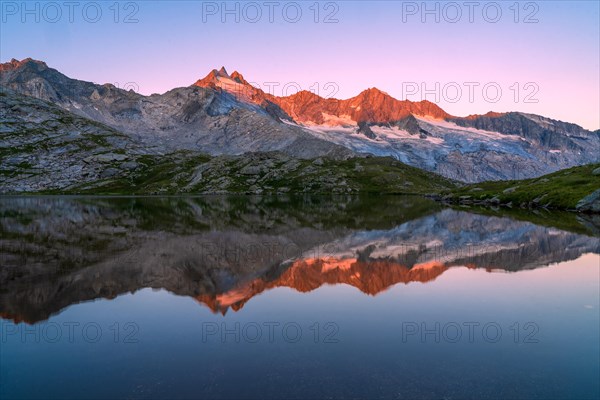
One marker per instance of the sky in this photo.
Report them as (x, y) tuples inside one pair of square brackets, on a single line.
[(469, 57)]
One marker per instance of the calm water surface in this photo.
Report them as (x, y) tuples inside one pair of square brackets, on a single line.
[(225, 297)]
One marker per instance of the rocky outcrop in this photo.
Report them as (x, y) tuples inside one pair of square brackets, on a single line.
[(364, 129), (409, 124), (44, 147), (590, 203)]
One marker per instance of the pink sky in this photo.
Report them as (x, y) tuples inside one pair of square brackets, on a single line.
[(549, 67)]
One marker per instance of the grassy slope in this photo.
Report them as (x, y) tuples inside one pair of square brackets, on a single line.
[(186, 172), (559, 190)]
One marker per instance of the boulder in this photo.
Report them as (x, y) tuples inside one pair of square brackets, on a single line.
[(590, 203)]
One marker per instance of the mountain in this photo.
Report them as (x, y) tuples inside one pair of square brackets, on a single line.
[(242, 91), (48, 149), (191, 118), (494, 146), (371, 106), (223, 114)]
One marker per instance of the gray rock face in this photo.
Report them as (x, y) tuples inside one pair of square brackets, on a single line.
[(539, 130), (43, 147), (471, 154), (363, 128), (590, 203), (410, 125)]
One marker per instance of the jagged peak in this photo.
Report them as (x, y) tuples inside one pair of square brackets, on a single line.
[(223, 72), (213, 76), (15, 64), (369, 95), (239, 78), (209, 80)]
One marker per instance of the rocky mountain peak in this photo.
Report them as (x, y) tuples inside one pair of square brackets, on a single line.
[(15, 64), (376, 106), (239, 78), (372, 94), (374, 91), (212, 79), (304, 95), (489, 114), (223, 72)]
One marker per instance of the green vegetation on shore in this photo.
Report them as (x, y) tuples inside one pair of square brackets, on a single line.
[(562, 190)]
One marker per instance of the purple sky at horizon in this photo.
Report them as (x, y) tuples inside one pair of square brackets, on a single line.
[(543, 56)]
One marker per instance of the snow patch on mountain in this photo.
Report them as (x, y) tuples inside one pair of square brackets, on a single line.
[(395, 133), (443, 138)]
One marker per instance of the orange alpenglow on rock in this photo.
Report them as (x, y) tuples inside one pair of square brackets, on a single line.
[(371, 105), (370, 277)]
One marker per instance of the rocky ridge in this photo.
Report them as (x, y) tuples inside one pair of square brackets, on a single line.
[(223, 114)]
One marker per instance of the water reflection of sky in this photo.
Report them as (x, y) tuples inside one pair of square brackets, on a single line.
[(370, 356)]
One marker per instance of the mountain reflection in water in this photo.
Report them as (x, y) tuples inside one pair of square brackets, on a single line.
[(223, 251)]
